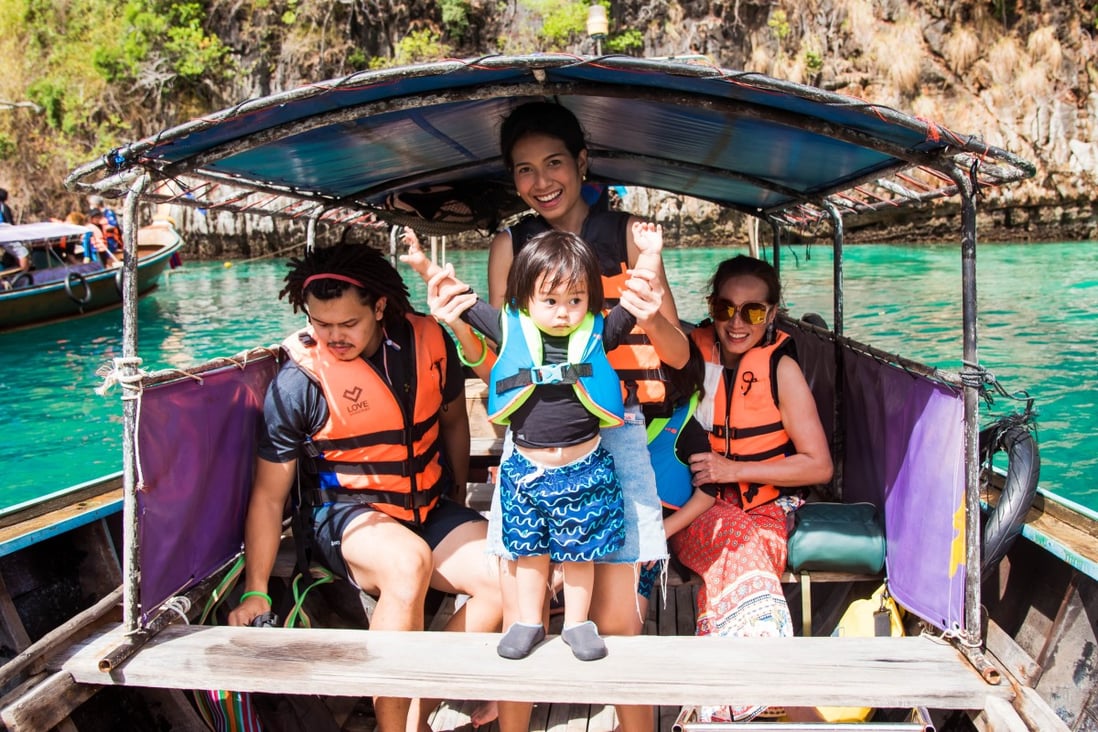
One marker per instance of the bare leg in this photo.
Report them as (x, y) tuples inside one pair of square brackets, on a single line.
[(532, 578), (386, 559), (579, 578), (462, 567), (614, 610), (513, 716)]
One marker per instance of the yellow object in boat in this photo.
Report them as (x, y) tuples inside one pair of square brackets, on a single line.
[(877, 615)]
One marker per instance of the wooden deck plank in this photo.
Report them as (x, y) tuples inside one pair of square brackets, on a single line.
[(882, 672)]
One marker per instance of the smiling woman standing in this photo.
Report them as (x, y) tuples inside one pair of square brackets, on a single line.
[(767, 445), (543, 147)]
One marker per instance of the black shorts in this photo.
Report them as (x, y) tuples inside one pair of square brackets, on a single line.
[(331, 520)]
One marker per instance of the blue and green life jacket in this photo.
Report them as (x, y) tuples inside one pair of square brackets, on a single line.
[(520, 367), (674, 484)]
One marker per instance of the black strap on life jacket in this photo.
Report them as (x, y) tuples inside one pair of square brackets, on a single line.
[(407, 501), (313, 448), (557, 373), (403, 468)]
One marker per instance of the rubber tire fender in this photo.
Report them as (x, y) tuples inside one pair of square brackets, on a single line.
[(118, 281), (1005, 520), (81, 282)]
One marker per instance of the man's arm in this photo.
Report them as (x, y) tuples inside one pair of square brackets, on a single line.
[(453, 424), (262, 535)]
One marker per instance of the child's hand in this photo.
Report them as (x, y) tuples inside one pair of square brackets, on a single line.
[(415, 258), (648, 237)]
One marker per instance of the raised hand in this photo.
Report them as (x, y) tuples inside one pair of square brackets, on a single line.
[(416, 258), (648, 237)]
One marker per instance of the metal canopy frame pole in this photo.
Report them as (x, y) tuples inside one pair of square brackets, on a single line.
[(129, 367), (776, 244), (838, 431), (971, 379)]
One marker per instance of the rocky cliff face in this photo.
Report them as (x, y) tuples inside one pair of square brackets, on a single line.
[(1022, 74)]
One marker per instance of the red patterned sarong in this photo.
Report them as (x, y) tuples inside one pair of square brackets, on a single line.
[(740, 557)]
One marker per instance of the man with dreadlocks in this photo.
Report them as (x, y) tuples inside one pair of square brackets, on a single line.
[(369, 413)]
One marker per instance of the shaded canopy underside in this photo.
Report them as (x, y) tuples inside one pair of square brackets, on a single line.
[(420, 144)]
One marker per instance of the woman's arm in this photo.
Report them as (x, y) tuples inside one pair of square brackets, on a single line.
[(810, 465), (643, 295), (500, 257), (448, 298)]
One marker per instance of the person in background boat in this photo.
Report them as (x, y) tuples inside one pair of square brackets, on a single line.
[(98, 203), (544, 149), (15, 257), (560, 497), (75, 250), (6, 214), (95, 245), (110, 239), (369, 411), (768, 445)]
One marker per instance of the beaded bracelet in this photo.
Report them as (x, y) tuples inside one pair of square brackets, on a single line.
[(483, 351), (256, 593)]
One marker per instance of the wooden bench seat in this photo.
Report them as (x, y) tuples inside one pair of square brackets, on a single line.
[(676, 670)]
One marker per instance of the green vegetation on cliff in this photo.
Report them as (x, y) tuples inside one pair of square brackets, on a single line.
[(1020, 73)]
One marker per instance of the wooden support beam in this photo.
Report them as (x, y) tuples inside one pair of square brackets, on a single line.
[(999, 716), (76, 627), (881, 672), (10, 621), (46, 705), (1037, 713)]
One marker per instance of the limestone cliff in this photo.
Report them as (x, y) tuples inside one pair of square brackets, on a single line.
[(1022, 74)]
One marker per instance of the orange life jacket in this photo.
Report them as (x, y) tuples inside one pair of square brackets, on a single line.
[(746, 423), (368, 448)]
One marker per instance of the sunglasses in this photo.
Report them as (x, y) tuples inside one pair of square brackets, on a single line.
[(751, 313)]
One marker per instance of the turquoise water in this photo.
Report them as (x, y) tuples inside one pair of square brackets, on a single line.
[(1037, 328)]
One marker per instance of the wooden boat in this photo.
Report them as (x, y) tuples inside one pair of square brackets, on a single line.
[(57, 289), (1006, 646)]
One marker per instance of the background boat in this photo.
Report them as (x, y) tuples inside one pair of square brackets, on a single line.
[(59, 290)]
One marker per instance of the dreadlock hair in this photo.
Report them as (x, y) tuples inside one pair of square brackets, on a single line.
[(357, 262), (560, 257)]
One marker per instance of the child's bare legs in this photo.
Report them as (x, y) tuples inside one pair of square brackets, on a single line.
[(531, 578), (581, 635)]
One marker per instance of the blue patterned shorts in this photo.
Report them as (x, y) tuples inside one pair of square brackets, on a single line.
[(573, 513)]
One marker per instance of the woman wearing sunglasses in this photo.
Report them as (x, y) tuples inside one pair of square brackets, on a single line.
[(768, 445)]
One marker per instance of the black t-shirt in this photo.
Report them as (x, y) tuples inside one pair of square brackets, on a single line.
[(553, 416), (295, 407)]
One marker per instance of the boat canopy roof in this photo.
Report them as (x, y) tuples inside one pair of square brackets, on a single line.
[(420, 144), (39, 231)]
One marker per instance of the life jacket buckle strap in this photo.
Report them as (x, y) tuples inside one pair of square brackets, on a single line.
[(547, 374)]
